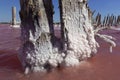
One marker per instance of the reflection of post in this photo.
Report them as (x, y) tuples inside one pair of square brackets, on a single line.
[(13, 15)]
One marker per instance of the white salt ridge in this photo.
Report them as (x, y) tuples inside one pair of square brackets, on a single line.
[(115, 28), (15, 26)]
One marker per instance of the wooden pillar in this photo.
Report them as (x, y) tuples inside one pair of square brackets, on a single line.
[(36, 53), (13, 15), (77, 31), (49, 11)]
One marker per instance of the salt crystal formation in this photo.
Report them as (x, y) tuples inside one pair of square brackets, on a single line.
[(38, 51), (78, 31)]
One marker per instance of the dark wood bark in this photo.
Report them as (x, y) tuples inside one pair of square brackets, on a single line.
[(36, 34)]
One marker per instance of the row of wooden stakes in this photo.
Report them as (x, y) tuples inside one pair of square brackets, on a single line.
[(107, 21)]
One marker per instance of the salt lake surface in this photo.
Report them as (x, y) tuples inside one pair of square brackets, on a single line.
[(103, 66)]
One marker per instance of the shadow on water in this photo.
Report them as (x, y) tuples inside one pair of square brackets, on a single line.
[(103, 66)]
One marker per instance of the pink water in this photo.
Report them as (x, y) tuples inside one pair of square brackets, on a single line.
[(103, 66)]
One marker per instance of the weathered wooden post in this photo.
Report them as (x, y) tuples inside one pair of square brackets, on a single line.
[(104, 21), (115, 21), (107, 20), (37, 52), (118, 20), (49, 11), (110, 20), (98, 19), (13, 15), (77, 31)]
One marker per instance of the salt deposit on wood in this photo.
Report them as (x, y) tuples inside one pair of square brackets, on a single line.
[(78, 34), (37, 52), (40, 51), (13, 15), (36, 49)]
